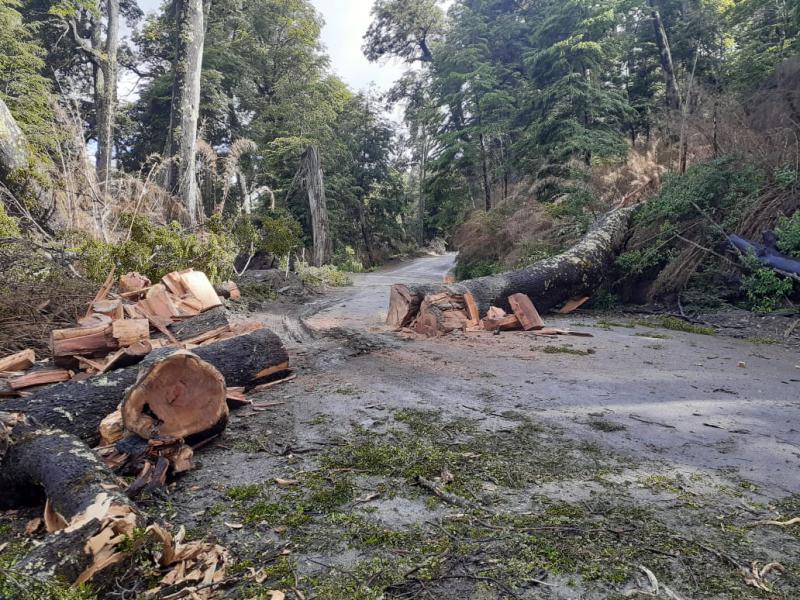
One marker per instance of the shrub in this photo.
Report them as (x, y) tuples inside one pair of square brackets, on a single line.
[(276, 233), (8, 224), (318, 276), (157, 250), (347, 260), (766, 290), (788, 233)]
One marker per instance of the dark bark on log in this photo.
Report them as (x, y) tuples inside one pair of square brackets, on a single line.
[(577, 272), (78, 406), (202, 323), (47, 463)]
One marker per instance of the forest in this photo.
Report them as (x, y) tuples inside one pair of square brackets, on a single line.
[(197, 207)]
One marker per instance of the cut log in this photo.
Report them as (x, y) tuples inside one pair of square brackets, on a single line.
[(211, 320), (111, 429), (82, 341), (36, 378), (507, 323), (130, 331), (110, 308), (228, 290), (158, 303), (440, 314), (133, 282), (85, 509), (79, 406), (526, 312), (577, 272), (21, 361), (178, 396)]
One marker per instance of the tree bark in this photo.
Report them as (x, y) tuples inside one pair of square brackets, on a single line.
[(673, 96), (190, 18), (106, 94), (13, 144), (314, 184), (577, 272), (78, 407), (81, 493)]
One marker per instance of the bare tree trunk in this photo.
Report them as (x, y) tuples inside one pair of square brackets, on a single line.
[(13, 144), (487, 190), (190, 18), (685, 109), (315, 187), (105, 93), (673, 95), (423, 164)]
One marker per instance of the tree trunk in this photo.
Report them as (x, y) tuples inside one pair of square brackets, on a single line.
[(190, 18), (673, 96), (78, 407), (106, 94), (81, 493), (423, 163), (13, 144), (577, 272), (318, 205), (487, 188)]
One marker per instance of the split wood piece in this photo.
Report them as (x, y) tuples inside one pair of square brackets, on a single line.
[(158, 323), (82, 341), (110, 308), (21, 361), (87, 514), (125, 357), (134, 455), (195, 284), (526, 312), (133, 282), (228, 290), (472, 309), (208, 336), (572, 305), (94, 320), (507, 323), (236, 399), (495, 313), (111, 429), (179, 396), (158, 303), (79, 406), (104, 290), (37, 378), (272, 384), (130, 331), (577, 272), (188, 306)]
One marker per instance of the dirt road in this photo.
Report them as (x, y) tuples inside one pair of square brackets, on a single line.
[(506, 466)]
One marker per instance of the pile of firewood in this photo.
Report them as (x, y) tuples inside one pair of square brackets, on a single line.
[(444, 312), (116, 331), (146, 377)]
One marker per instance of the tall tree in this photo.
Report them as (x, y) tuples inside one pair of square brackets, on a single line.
[(190, 31), (403, 28)]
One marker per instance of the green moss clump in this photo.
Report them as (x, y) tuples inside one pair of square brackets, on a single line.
[(8, 225), (567, 350), (676, 324)]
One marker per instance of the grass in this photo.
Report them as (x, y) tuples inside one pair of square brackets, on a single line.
[(676, 324), (606, 426)]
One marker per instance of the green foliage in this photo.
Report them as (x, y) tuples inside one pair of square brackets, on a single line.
[(157, 250), (477, 269), (639, 262), (723, 187), (788, 233), (278, 234), (766, 290), (676, 324), (22, 86), (8, 224), (329, 275)]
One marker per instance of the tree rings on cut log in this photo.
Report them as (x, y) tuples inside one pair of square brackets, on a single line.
[(179, 396)]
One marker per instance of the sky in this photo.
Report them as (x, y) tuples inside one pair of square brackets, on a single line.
[(346, 21)]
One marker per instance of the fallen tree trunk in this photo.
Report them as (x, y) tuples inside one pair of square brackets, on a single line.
[(86, 513), (577, 272), (78, 407)]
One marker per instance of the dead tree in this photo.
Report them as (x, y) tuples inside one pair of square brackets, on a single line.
[(312, 180), (577, 272), (190, 18), (673, 95)]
